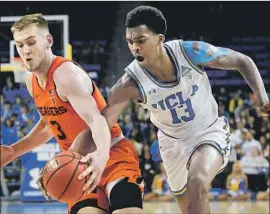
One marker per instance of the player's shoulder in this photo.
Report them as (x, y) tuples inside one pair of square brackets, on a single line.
[(69, 71), (126, 81), (126, 87), (175, 43)]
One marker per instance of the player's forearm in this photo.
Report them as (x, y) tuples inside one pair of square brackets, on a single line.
[(251, 74), (39, 135), (101, 133)]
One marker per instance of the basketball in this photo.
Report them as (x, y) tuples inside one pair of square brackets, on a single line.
[(60, 177)]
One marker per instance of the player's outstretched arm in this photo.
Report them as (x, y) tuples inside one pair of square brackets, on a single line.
[(119, 97), (39, 135), (204, 54), (77, 88)]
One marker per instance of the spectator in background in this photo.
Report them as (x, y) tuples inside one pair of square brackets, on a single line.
[(237, 184), (265, 126), (135, 138), (255, 166), (128, 126), (250, 123), (222, 98), (7, 111), (17, 105), (160, 188), (15, 121), (236, 141), (250, 143), (264, 195), (239, 130), (8, 132), (24, 115), (266, 153), (2, 100), (30, 124), (8, 90), (222, 110), (263, 142), (148, 168), (235, 104)]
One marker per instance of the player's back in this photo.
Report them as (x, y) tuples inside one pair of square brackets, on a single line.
[(180, 108), (63, 120)]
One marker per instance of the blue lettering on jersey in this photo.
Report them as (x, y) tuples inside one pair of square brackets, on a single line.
[(174, 101)]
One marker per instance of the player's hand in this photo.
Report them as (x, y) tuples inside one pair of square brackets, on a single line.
[(7, 155), (265, 110), (98, 161), (41, 186), (155, 153)]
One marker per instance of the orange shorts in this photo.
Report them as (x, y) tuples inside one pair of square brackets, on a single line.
[(123, 163)]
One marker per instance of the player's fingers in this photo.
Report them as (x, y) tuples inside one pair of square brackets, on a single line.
[(94, 185), (89, 183), (86, 159), (86, 172)]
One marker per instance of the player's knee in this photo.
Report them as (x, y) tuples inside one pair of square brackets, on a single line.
[(125, 195), (87, 206), (87, 210), (198, 183)]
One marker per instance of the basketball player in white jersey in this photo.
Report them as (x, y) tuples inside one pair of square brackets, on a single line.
[(168, 80)]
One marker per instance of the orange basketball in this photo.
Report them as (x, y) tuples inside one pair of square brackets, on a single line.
[(60, 177)]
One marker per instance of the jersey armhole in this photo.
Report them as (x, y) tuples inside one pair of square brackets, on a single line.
[(143, 99)]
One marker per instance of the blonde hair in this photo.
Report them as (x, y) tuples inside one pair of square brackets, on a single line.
[(30, 20)]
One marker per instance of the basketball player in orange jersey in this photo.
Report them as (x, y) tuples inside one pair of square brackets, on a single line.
[(69, 102)]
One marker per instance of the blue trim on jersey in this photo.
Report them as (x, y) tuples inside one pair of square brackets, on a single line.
[(180, 192), (201, 55), (138, 84), (163, 84)]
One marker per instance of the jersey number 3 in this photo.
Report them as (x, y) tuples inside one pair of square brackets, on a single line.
[(61, 135)]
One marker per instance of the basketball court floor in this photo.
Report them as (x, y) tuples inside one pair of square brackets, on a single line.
[(149, 208)]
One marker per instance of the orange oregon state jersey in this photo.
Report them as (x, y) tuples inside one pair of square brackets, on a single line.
[(63, 120)]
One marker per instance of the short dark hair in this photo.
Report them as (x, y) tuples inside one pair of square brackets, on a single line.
[(149, 16)]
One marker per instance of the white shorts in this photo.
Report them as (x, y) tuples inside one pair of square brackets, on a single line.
[(176, 154)]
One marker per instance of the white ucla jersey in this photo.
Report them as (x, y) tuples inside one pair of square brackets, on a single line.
[(182, 108)]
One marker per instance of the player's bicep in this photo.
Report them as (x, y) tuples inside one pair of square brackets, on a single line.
[(78, 92)]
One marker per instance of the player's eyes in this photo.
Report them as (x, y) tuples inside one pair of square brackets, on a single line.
[(140, 41), (31, 43), (130, 42)]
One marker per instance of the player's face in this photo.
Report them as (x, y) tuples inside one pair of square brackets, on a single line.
[(33, 44), (144, 45)]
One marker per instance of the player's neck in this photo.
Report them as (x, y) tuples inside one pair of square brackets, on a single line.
[(42, 71), (162, 64)]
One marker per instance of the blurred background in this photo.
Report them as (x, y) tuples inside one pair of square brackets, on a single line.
[(93, 34)]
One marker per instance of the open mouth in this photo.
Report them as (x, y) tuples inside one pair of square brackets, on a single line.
[(139, 57), (29, 59)]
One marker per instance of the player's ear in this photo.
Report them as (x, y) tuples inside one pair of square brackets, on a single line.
[(161, 37), (49, 39)]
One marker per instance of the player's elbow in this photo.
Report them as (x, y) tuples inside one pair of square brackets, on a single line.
[(109, 118), (244, 61), (96, 120)]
